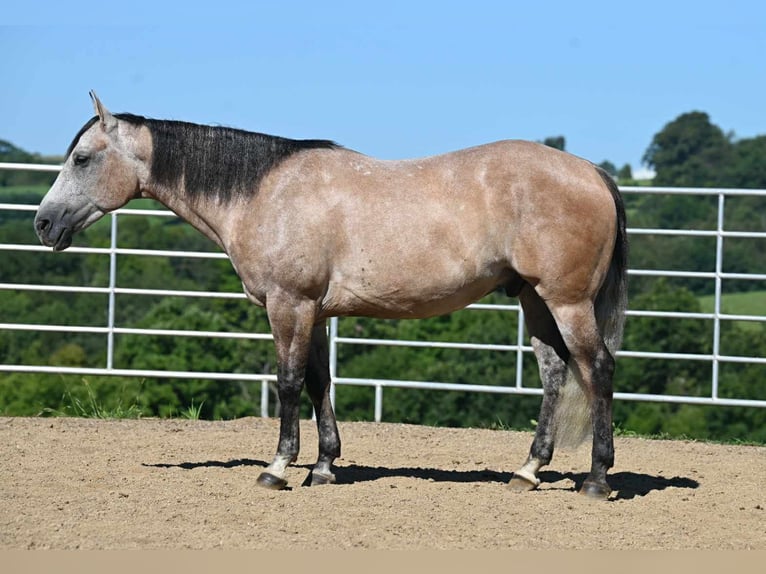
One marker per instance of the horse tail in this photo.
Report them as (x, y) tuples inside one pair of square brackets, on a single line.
[(572, 416), (612, 298)]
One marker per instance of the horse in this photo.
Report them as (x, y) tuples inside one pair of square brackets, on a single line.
[(315, 230)]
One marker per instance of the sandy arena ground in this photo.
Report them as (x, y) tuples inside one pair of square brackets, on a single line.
[(172, 484)]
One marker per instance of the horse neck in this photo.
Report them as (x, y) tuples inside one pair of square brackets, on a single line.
[(202, 213)]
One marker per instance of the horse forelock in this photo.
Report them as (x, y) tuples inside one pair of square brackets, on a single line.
[(83, 129), (133, 119)]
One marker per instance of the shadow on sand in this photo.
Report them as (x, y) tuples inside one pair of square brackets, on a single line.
[(626, 485)]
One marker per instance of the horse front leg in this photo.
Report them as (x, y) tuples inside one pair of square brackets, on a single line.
[(291, 321), (318, 386)]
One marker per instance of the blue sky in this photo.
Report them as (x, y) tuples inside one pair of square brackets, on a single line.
[(391, 79)]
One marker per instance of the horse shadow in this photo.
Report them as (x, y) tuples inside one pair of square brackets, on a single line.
[(625, 485), (208, 464)]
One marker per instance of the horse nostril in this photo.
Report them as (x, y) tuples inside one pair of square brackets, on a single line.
[(42, 224)]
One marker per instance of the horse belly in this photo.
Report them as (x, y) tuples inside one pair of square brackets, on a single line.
[(415, 263), (405, 297)]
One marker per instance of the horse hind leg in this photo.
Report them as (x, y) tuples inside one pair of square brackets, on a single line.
[(553, 372), (593, 366), (552, 355)]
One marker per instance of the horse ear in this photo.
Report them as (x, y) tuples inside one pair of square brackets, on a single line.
[(108, 121)]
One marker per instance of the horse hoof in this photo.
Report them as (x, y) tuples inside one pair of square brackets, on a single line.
[(595, 490), (317, 479), (268, 480), (522, 484)]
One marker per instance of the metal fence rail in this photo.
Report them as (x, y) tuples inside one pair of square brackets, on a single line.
[(112, 290)]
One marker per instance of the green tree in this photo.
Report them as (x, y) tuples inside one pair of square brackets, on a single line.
[(608, 167), (690, 151), (12, 154), (557, 142), (625, 173), (688, 336), (222, 399), (748, 164)]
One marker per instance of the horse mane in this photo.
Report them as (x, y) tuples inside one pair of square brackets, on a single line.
[(212, 161)]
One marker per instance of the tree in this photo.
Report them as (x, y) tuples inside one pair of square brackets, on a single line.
[(625, 173), (608, 167), (690, 151), (748, 164), (690, 336), (11, 153), (557, 142), (212, 354)]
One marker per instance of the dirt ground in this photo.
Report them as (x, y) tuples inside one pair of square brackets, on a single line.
[(82, 483)]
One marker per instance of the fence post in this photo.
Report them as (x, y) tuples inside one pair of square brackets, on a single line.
[(717, 302), (378, 403), (264, 398), (333, 358), (112, 286), (519, 350)]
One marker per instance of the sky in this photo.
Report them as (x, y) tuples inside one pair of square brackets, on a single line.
[(393, 79)]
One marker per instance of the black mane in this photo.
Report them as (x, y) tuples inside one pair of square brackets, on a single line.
[(211, 160)]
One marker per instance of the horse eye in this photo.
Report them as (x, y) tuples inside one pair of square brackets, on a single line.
[(80, 159)]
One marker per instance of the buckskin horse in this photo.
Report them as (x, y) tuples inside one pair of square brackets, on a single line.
[(315, 230)]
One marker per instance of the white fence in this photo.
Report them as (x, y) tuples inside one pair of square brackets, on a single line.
[(113, 291)]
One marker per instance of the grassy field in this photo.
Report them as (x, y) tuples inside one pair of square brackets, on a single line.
[(751, 303)]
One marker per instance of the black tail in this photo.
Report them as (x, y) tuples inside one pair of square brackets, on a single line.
[(612, 298)]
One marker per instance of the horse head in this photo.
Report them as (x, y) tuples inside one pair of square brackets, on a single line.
[(102, 172)]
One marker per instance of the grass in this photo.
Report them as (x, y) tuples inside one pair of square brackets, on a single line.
[(748, 303), (628, 433), (192, 412), (92, 408), (501, 425)]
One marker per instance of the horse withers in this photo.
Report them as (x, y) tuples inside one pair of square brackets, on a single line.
[(315, 230)]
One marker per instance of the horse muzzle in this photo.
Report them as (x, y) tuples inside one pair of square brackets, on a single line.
[(54, 232), (55, 224)]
